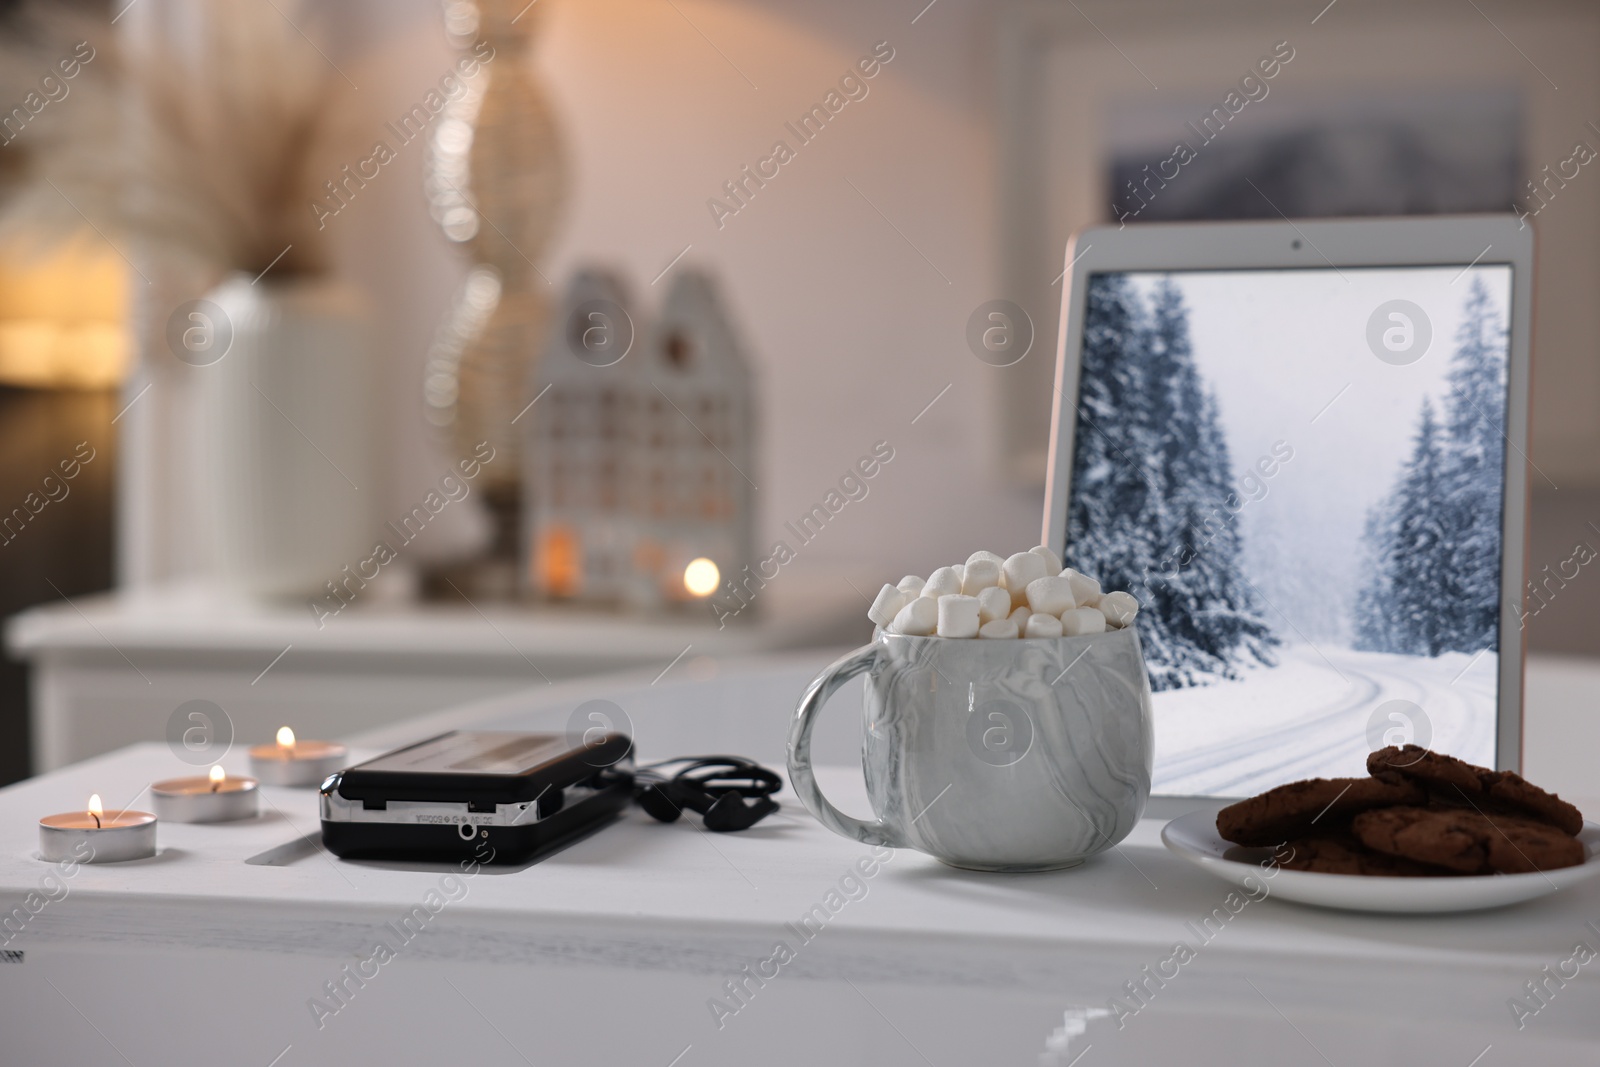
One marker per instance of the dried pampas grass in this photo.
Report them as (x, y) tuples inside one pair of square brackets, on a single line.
[(192, 135)]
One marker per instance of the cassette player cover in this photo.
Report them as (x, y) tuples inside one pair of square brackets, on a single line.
[(510, 795)]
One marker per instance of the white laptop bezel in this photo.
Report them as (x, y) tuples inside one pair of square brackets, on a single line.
[(1401, 242)]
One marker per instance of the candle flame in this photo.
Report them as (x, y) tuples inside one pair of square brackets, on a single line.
[(95, 807), (285, 737), (217, 773)]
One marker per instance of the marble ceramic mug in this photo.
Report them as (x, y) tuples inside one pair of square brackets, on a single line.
[(1006, 755)]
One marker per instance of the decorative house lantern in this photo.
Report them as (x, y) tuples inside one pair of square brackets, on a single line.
[(697, 428), (579, 518), (639, 452)]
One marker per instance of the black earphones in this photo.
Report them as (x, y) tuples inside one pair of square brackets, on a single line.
[(729, 792)]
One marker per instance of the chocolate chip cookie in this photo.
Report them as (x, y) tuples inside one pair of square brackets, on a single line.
[(1343, 854), (1509, 790), (1455, 783), (1431, 768), (1467, 842), (1300, 809)]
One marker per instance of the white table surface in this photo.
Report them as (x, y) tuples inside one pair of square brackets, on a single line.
[(158, 624), (619, 942), (110, 670)]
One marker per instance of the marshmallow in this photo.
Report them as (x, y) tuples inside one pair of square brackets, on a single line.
[(941, 582), (1042, 626), (1119, 609), (1049, 596), (980, 575), (958, 615), (1022, 595), (887, 605), (993, 603), (1019, 570), (998, 628), (1084, 588), (919, 618), (1080, 621)]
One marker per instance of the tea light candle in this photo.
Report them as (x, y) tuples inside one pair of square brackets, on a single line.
[(292, 762), (215, 798), (128, 835)]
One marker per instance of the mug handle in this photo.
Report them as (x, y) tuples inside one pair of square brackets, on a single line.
[(801, 775)]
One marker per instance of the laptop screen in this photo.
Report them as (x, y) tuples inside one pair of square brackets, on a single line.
[(1300, 473)]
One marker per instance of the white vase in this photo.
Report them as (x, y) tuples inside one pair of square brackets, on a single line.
[(287, 437)]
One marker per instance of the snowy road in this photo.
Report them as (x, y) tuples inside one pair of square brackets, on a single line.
[(1309, 717)]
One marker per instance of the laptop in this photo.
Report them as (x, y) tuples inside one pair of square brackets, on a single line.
[(1303, 447)]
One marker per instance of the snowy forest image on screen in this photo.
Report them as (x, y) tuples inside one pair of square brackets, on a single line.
[(1308, 510)]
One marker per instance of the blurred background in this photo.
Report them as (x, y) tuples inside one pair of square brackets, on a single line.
[(360, 358)]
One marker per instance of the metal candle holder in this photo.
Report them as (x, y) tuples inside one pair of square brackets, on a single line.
[(128, 835), (206, 799)]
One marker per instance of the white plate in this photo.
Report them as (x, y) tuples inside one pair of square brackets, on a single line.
[(1194, 837)]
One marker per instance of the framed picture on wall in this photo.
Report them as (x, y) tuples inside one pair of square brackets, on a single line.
[(1345, 155), (1145, 112)]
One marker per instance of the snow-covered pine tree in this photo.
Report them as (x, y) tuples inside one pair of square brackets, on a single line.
[(1111, 526), (1422, 585), (1152, 473), (1472, 483), (1374, 624), (1433, 544), (1206, 601)]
